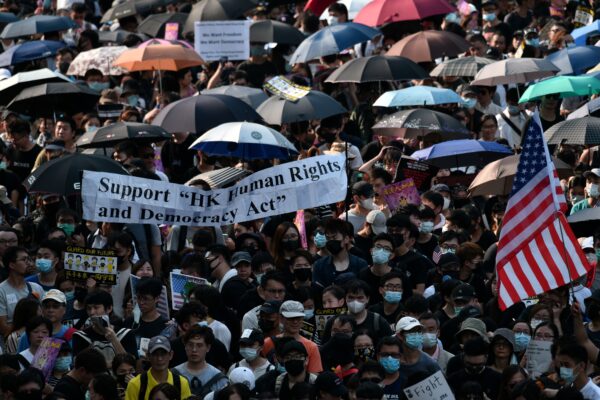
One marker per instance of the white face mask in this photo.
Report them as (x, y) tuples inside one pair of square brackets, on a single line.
[(592, 190), (367, 203), (356, 306), (446, 203), (426, 227), (332, 20)]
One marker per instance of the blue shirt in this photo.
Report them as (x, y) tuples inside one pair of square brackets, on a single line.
[(324, 272)]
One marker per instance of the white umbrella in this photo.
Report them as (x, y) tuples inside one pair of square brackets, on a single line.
[(245, 140), (101, 59), (12, 86)]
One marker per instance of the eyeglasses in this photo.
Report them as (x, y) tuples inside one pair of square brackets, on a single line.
[(25, 259), (144, 299), (9, 241), (393, 287), (294, 358), (394, 355), (544, 336), (378, 246)]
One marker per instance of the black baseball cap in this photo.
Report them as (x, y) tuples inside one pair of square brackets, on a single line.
[(330, 383), (250, 336), (271, 307), (363, 188), (293, 345), (464, 291)]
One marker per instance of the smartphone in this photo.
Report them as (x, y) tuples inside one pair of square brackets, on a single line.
[(224, 59), (225, 237), (99, 324)]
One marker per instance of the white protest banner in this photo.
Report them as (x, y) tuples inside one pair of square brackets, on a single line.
[(285, 188), (435, 387), (82, 263), (216, 39), (539, 357)]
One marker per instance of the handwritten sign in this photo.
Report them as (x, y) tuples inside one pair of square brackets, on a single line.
[(400, 194), (434, 387), (216, 39), (82, 263), (539, 357)]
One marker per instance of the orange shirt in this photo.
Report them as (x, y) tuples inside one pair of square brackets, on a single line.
[(314, 357)]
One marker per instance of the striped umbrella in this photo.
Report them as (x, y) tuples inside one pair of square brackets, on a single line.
[(465, 66)]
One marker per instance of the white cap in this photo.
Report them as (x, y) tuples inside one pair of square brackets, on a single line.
[(291, 309), (56, 295), (407, 323), (587, 243), (377, 220), (242, 375)]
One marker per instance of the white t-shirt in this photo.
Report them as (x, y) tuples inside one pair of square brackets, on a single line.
[(221, 332), (590, 391), (356, 160)]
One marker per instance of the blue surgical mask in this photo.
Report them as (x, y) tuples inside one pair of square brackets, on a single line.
[(514, 110), (249, 354), (567, 375), (390, 364), (70, 296), (426, 227), (535, 42), (392, 297), (98, 86), (429, 340), (457, 310), (133, 100), (320, 240), (414, 340), (469, 103), (43, 265), (91, 128), (380, 256), (63, 364), (489, 17), (280, 368), (3, 165), (521, 341), (308, 314), (87, 395)]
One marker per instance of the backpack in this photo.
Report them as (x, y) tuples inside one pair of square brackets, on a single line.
[(279, 381), (104, 347), (207, 387), (144, 383)]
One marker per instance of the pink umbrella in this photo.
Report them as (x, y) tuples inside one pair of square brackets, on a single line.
[(152, 42), (379, 12)]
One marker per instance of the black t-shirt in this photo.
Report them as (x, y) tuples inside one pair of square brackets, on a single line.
[(373, 281), (428, 247), (23, 161), (393, 317), (258, 72), (415, 266), (70, 388), (364, 244), (233, 290), (248, 301), (548, 124), (486, 240), (177, 158), (488, 379), (377, 326), (516, 22), (146, 329)]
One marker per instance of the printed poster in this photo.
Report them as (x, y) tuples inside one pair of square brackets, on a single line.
[(322, 315), (46, 355), (420, 172), (82, 263), (171, 31), (181, 287), (216, 39), (286, 89), (400, 194)]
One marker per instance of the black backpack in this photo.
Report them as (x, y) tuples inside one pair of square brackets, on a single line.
[(144, 383)]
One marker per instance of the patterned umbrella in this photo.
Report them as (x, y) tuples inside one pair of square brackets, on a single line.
[(465, 66), (412, 123), (585, 131), (101, 59)]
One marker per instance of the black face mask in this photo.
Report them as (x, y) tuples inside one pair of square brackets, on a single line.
[(121, 380), (593, 310), (334, 246), (474, 370), (364, 354), (303, 274), (290, 245), (80, 294), (294, 367), (29, 395), (327, 137), (398, 240), (266, 325)]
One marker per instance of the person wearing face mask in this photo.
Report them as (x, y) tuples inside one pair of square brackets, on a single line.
[(326, 269), (301, 267), (413, 360), (512, 120), (272, 288), (592, 190), (381, 253), (46, 261), (471, 258), (217, 258), (469, 95), (29, 384), (63, 364), (130, 94), (243, 281), (374, 225), (337, 14), (87, 365), (431, 345), (437, 202), (331, 131), (362, 197), (572, 362), (576, 189), (427, 241), (388, 355), (95, 80), (251, 343), (475, 369), (390, 289)]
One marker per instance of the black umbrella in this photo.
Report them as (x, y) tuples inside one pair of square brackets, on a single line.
[(63, 175), (110, 135), (269, 31), (217, 10), (315, 105), (35, 25), (154, 25), (419, 121), (46, 99), (585, 222), (583, 131), (118, 36), (130, 8), (12, 86), (201, 113), (378, 68)]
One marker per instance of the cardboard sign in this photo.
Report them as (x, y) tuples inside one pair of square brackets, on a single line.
[(539, 357), (286, 89), (216, 39), (46, 355), (171, 31), (435, 387), (181, 287), (400, 194), (82, 263), (323, 315), (420, 172)]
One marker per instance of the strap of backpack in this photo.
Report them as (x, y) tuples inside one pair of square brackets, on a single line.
[(279, 383), (176, 379), (511, 124), (143, 385)]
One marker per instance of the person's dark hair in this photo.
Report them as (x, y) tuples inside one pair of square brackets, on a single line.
[(408, 210), (416, 304), (19, 127), (384, 236), (106, 386), (149, 286), (122, 359), (35, 322), (273, 275), (334, 121), (489, 117), (99, 297), (451, 235), (204, 331), (90, 35), (25, 310), (188, 310), (122, 238), (527, 389), (209, 297), (241, 390), (426, 213), (434, 197), (55, 246), (11, 254), (388, 341), (300, 391), (371, 366), (470, 390), (460, 218), (203, 238), (389, 276), (167, 389), (345, 319), (302, 253), (476, 347), (127, 147), (68, 213), (30, 375), (357, 286), (380, 173), (90, 360), (67, 120), (339, 8), (220, 250), (336, 291), (310, 23), (574, 351), (10, 361)]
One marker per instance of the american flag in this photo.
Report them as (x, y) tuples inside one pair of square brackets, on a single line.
[(437, 254), (181, 286), (163, 302), (537, 250)]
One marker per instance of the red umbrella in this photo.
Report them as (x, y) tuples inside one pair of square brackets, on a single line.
[(379, 12), (318, 6)]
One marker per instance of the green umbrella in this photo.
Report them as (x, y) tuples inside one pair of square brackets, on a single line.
[(565, 86)]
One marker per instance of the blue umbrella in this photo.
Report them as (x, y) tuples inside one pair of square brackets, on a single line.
[(30, 51), (580, 34), (332, 40), (37, 24), (417, 96), (6, 18), (575, 60), (462, 153)]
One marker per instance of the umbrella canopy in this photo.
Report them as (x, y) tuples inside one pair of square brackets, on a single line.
[(154, 25), (69, 169), (575, 60), (514, 70), (377, 68), (584, 223), (315, 105), (117, 36), (29, 51), (36, 25), (153, 41), (580, 35), (158, 57), (109, 136), (497, 177), (217, 10), (464, 66), (101, 59), (412, 123), (7, 18), (417, 96), (589, 108), (585, 131), (426, 46), (12, 86), (269, 31), (219, 178), (332, 40), (566, 86), (251, 96), (462, 153), (198, 114), (245, 140), (130, 8), (379, 12), (48, 98)]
